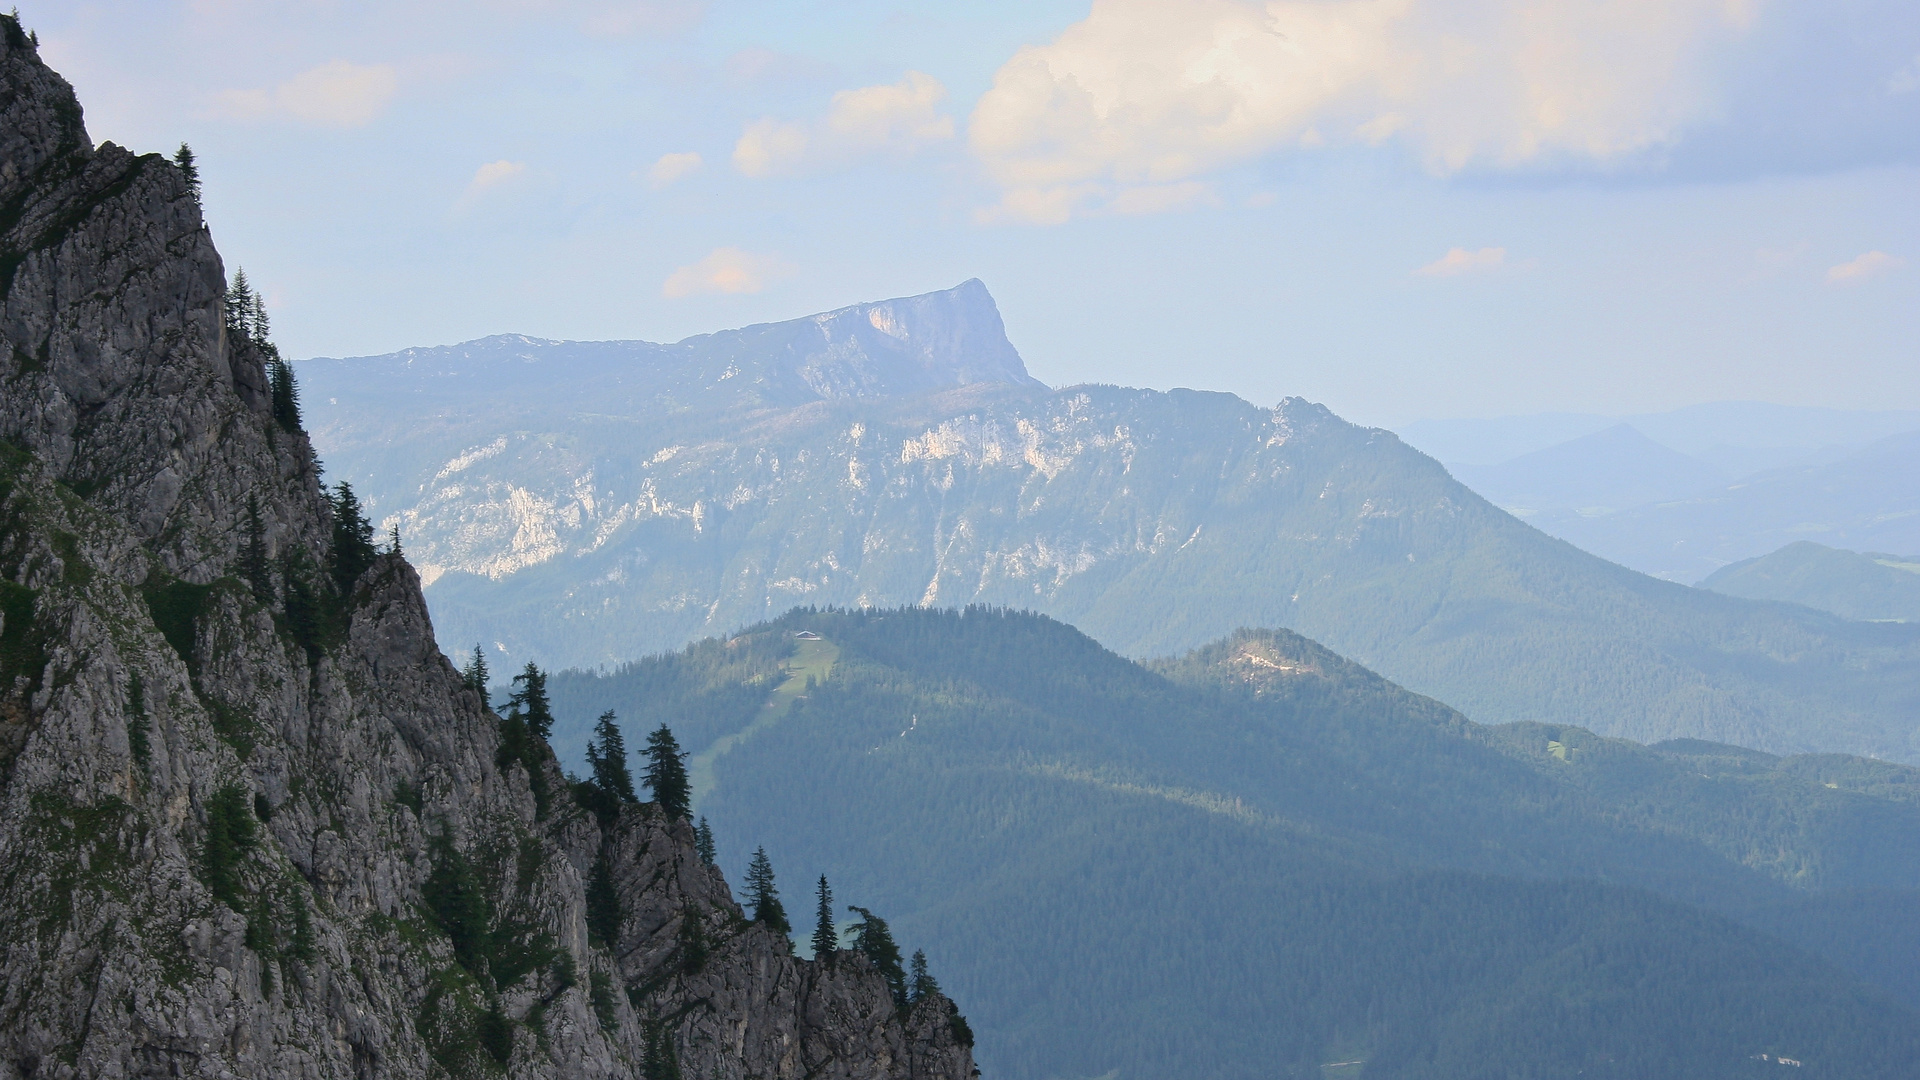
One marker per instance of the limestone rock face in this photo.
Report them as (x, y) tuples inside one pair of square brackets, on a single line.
[(251, 825)]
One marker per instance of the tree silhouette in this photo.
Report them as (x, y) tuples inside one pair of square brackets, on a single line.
[(183, 160), (475, 674), (607, 757), (667, 773), (531, 701), (872, 938), (920, 982), (763, 896), (703, 841), (826, 939)]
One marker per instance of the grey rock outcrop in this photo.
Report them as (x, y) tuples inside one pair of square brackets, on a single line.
[(250, 826)]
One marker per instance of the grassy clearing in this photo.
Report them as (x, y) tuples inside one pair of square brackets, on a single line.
[(812, 661)]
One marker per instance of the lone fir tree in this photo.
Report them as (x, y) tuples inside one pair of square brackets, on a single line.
[(765, 899), (607, 758), (826, 939), (872, 938), (703, 841), (530, 701), (190, 172), (920, 982), (667, 773), (475, 674), (254, 565)]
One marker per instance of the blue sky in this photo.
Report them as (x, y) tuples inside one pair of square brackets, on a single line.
[(1402, 208)]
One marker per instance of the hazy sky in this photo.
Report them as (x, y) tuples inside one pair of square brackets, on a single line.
[(1402, 208)]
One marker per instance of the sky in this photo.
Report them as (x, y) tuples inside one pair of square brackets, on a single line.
[(1404, 209)]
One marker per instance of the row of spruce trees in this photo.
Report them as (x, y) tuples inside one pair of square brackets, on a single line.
[(525, 727)]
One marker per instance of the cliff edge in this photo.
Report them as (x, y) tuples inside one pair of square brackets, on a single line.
[(252, 822)]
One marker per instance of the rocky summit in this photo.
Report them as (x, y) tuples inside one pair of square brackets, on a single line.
[(252, 822)]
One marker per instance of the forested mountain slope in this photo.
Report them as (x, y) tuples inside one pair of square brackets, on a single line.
[(1851, 584), (252, 822), (1260, 858), (667, 508)]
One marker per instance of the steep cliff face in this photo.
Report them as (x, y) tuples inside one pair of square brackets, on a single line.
[(250, 826)]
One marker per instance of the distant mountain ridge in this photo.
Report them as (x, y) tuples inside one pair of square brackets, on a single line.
[(1853, 584), (1698, 488), (888, 348), (595, 522)]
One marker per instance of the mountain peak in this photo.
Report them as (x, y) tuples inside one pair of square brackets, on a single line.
[(887, 348)]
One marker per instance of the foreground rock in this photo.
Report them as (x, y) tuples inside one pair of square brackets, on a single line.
[(250, 826)]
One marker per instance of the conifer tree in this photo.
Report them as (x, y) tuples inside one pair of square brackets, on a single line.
[(253, 558), (763, 896), (183, 160), (607, 757), (667, 773), (872, 937), (826, 939), (283, 393), (658, 1061), (259, 327), (603, 904), (920, 982), (239, 305), (703, 841), (475, 674), (353, 550), (393, 539), (531, 701)]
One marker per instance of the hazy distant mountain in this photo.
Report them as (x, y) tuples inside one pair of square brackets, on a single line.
[(1866, 501), (1262, 858), (626, 502), (1611, 469), (1737, 437), (1849, 583), (1698, 488)]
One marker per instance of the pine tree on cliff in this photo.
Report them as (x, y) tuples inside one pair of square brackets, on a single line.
[(763, 896), (826, 939), (607, 757), (353, 550), (254, 565), (872, 937), (920, 982), (239, 303), (183, 160), (283, 392), (667, 773), (531, 701), (475, 674), (703, 841)]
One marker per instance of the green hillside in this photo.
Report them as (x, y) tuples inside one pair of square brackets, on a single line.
[(1850, 584), (1260, 859)]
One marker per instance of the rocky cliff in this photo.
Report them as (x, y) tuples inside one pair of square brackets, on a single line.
[(254, 824)]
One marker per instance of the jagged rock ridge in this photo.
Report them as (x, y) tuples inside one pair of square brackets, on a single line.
[(250, 826)]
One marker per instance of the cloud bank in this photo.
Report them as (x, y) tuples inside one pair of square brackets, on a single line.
[(726, 270), (897, 118), (1147, 93), (340, 94)]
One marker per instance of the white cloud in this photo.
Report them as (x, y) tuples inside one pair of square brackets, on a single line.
[(488, 177), (891, 118), (671, 168), (725, 270), (1869, 265), (1162, 91), (339, 93), (1461, 261)]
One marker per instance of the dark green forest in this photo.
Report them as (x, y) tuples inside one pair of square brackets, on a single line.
[(1261, 859)]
